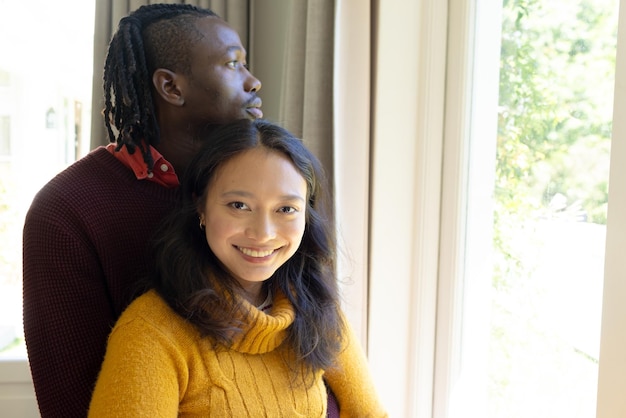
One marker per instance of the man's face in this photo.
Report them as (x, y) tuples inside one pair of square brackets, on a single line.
[(220, 87)]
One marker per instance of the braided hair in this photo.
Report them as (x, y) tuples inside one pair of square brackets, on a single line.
[(153, 36)]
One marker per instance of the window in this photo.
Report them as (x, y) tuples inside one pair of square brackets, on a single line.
[(5, 136), (535, 210), (45, 84), (434, 245)]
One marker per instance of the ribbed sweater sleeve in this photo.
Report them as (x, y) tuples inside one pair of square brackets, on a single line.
[(143, 374), (352, 382)]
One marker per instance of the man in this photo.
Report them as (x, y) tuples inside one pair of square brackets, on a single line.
[(170, 71)]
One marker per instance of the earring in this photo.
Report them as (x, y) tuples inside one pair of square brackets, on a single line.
[(201, 224)]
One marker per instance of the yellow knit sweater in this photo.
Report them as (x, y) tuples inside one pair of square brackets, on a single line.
[(157, 365)]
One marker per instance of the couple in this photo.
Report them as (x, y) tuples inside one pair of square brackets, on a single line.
[(171, 70)]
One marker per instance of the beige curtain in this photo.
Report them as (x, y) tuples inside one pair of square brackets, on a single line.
[(306, 106), (109, 13)]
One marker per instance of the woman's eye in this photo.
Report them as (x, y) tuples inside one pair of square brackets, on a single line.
[(239, 205), (288, 209)]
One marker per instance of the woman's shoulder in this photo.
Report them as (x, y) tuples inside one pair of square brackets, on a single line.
[(149, 301), (150, 314)]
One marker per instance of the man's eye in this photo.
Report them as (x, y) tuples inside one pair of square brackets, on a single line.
[(236, 64), (239, 205)]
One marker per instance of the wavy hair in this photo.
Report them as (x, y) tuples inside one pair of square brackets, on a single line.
[(193, 282)]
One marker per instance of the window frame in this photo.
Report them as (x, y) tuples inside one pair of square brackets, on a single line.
[(405, 193), (414, 309), (612, 366)]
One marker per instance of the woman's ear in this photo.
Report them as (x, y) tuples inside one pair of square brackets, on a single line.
[(168, 86)]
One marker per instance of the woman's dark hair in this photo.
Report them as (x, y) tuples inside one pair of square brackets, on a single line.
[(193, 282), (153, 36)]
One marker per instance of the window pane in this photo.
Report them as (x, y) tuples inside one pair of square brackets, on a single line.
[(45, 118), (550, 195), (556, 83), (5, 136)]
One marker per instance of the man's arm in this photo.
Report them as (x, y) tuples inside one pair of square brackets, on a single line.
[(67, 309)]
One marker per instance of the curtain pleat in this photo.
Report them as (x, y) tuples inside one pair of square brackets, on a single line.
[(292, 100), (306, 106)]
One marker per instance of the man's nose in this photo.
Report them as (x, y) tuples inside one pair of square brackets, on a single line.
[(252, 83)]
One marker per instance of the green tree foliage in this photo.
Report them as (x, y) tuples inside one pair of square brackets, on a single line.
[(554, 122), (556, 83), (554, 128)]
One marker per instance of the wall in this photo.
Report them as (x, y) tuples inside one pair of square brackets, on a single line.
[(17, 396)]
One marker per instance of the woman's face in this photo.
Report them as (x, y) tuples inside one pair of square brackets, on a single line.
[(254, 214)]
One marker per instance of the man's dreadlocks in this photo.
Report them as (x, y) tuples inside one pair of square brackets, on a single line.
[(153, 36)]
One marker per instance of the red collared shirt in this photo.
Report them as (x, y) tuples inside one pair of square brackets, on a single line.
[(163, 172)]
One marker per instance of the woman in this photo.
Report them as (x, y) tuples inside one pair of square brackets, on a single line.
[(243, 318)]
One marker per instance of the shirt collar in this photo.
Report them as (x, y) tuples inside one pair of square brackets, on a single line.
[(163, 172)]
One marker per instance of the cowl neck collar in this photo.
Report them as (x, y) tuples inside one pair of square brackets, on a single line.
[(264, 331)]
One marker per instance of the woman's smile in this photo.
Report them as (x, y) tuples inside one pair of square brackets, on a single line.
[(250, 252)]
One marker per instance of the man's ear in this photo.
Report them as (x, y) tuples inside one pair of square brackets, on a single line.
[(167, 86)]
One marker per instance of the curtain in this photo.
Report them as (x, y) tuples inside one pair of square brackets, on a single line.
[(306, 106)]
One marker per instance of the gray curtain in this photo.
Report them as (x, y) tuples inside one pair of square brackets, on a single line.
[(306, 106)]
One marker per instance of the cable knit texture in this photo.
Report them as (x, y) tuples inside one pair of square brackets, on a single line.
[(157, 365)]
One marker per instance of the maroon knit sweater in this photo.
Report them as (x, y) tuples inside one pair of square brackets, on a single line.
[(85, 239), (84, 251)]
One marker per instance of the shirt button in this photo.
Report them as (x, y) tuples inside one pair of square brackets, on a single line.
[(150, 175), (164, 167)]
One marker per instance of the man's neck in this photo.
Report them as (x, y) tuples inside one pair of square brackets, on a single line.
[(180, 147)]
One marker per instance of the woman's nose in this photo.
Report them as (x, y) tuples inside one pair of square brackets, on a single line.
[(261, 228)]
